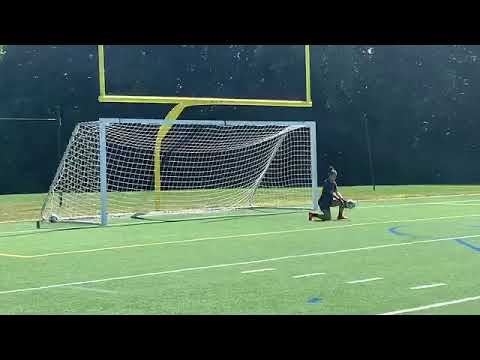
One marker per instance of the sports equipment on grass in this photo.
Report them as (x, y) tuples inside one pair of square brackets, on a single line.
[(350, 204), (122, 167)]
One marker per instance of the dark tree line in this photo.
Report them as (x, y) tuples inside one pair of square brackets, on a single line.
[(420, 103)]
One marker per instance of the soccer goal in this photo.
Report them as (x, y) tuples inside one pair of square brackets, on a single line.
[(125, 167)]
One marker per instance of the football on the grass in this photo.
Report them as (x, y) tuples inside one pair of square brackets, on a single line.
[(350, 204), (54, 218)]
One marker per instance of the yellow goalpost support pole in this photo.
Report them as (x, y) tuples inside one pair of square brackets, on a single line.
[(161, 134), (183, 102)]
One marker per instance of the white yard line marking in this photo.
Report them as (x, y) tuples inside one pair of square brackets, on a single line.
[(447, 203), (418, 197), (13, 255), (93, 289), (427, 286), (258, 270), (431, 306), (456, 204), (236, 264), (120, 247), (364, 280), (17, 221), (39, 231), (307, 275)]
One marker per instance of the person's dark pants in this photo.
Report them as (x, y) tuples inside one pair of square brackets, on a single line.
[(327, 214)]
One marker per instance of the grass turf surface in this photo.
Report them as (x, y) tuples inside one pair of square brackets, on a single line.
[(196, 267)]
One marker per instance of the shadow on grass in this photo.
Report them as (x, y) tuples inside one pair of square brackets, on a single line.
[(49, 228)]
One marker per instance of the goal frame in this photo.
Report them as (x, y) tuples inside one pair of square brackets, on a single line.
[(105, 122), (105, 97)]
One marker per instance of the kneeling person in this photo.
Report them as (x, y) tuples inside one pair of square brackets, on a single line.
[(330, 198)]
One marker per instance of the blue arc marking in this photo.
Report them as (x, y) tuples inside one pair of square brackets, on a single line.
[(314, 300), (464, 243), (394, 230)]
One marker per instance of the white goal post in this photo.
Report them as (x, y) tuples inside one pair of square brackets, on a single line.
[(122, 167)]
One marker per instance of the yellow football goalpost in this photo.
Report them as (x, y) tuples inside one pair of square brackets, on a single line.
[(181, 103)]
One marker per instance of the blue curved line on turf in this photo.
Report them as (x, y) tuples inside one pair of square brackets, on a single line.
[(314, 300), (394, 231), (464, 243)]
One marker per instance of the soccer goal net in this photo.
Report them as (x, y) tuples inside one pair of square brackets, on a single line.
[(122, 167)]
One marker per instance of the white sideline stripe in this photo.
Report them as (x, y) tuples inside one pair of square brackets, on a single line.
[(457, 203), (427, 286), (258, 270), (307, 275), (17, 221), (13, 255), (431, 306), (240, 236), (93, 289), (418, 197), (364, 280), (38, 231), (235, 264)]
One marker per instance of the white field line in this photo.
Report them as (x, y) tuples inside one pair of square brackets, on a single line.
[(217, 266), (307, 275), (257, 270), (238, 236), (39, 231), (427, 286), (458, 203), (94, 289), (13, 255), (431, 306), (18, 221), (418, 197), (364, 280)]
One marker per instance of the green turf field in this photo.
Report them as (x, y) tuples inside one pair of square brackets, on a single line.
[(417, 253)]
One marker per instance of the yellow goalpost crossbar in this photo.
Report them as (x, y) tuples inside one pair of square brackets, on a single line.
[(183, 102), (201, 101)]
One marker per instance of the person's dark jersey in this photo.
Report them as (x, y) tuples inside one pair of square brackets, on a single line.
[(326, 198)]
